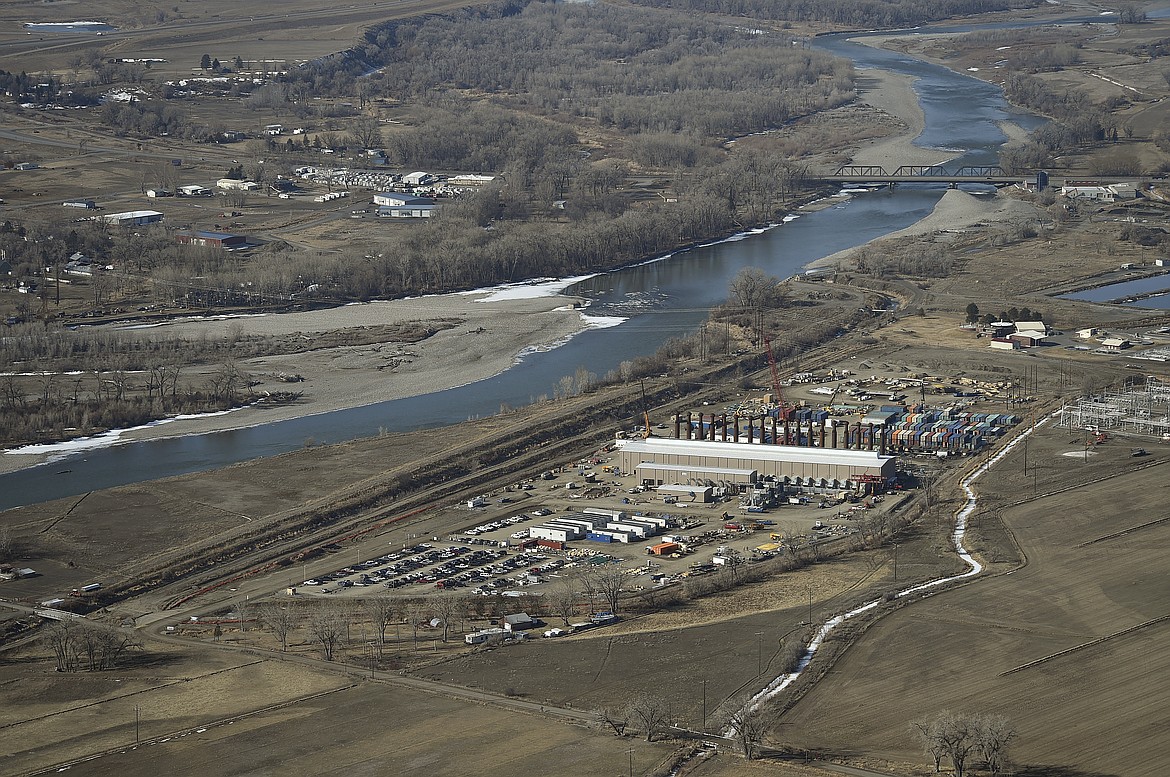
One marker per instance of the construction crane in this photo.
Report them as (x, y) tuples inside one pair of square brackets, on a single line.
[(775, 376), (645, 411)]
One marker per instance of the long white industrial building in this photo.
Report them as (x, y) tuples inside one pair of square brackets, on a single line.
[(661, 461)]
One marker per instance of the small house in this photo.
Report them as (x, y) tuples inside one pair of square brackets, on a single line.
[(519, 621), (1115, 344)]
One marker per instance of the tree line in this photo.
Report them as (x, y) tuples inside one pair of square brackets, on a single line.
[(856, 13)]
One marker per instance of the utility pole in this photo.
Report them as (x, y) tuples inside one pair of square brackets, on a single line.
[(137, 739), (703, 724), (895, 562)]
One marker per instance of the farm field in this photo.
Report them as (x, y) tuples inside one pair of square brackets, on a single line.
[(49, 717), (371, 728), (1086, 579)]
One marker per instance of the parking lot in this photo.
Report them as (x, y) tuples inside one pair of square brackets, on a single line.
[(494, 556)]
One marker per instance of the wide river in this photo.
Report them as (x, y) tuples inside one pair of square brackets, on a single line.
[(657, 300)]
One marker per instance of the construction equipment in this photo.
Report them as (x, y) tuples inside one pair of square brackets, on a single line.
[(645, 411), (779, 398)]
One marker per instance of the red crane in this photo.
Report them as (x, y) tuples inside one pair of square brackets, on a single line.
[(775, 378)]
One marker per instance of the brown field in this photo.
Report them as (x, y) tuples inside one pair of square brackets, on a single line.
[(953, 649), (297, 31), (343, 728), (51, 718)]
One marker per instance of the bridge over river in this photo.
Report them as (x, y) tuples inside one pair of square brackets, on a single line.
[(876, 174)]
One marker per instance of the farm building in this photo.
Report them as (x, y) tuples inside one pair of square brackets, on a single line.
[(194, 190), (216, 239), (662, 461), (133, 218), (80, 203)]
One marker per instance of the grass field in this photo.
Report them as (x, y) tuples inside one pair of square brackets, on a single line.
[(1082, 582)]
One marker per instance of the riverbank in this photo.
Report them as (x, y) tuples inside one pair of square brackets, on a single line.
[(492, 329)]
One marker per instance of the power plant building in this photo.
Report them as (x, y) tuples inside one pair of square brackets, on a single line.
[(664, 461)]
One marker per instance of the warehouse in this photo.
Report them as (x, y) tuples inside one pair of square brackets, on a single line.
[(660, 461), (133, 218), (223, 240)]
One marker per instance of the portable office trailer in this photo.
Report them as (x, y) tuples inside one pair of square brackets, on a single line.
[(654, 519), (553, 533), (613, 515), (617, 535), (637, 531)]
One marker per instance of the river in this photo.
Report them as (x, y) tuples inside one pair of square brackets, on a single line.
[(657, 300)]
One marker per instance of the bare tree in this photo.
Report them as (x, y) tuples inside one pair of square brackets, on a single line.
[(615, 720), (925, 731), (416, 611), (367, 132), (993, 735), (279, 618), (609, 581), (749, 723), (7, 544), (651, 712), (243, 609), (327, 625), (447, 609), (950, 735), (588, 582), (61, 637), (562, 599), (753, 288), (381, 611)]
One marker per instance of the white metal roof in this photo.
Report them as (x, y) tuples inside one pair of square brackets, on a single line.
[(132, 214), (777, 453)]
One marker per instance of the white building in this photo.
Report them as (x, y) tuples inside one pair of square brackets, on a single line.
[(234, 184), (133, 218), (470, 180), (418, 179)]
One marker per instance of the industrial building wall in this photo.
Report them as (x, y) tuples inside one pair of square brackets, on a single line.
[(791, 466)]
